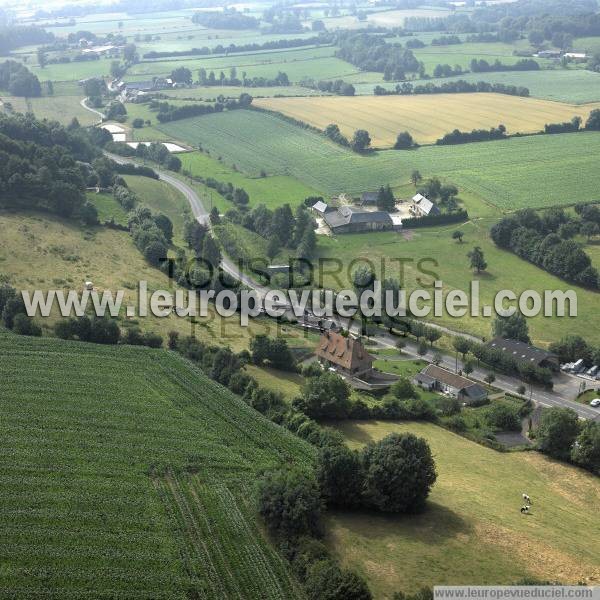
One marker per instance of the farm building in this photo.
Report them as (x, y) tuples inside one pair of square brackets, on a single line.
[(525, 353), (369, 198), (423, 207), (435, 378), (319, 207), (348, 219)]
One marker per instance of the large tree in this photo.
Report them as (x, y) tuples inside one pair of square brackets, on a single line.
[(361, 140), (325, 397), (399, 473), (512, 328), (557, 432), (340, 476), (477, 259), (290, 502)]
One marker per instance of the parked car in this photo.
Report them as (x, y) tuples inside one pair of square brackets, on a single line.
[(591, 372), (595, 402), (579, 366)]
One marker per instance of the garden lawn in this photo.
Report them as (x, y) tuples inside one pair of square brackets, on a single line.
[(472, 531)]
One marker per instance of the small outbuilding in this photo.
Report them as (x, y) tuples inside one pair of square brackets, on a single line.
[(434, 378), (319, 207)]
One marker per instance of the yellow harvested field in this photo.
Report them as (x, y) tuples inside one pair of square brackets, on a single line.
[(428, 116)]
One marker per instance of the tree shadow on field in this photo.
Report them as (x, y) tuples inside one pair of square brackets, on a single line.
[(434, 525)]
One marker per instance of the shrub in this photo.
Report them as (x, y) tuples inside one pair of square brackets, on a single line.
[(24, 325)]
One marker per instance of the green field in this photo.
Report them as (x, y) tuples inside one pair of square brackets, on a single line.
[(272, 191), (128, 473), (535, 171), (448, 260), (576, 86), (73, 71), (473, 530), (40, 251), (463, 54), (211, 92), (55, 108), (313, 62), (108, 208)]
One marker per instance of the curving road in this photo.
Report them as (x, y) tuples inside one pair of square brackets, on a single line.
[(566, 386)]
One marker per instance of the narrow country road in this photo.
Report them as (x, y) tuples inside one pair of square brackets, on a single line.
[(566, 386), (83, 103)]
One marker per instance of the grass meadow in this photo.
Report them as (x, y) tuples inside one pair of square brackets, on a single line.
[(575, 86), (473, 529), (314, 62), (426, 117), (143, 479), (55, 108), (534, 171), (39, 251), (463, 54), (272, 190)]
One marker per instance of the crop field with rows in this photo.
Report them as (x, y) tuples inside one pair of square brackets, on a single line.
[(426, 117), (534, 171), (108, 454)]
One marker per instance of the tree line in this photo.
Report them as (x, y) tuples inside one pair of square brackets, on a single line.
[(453, 87), (44, 166), (482, 66), (373, 53), (14, 36), (546, 241), (170, 112), (476, 135), (208, 78), (17, 79), (239, 48), (229, 18)]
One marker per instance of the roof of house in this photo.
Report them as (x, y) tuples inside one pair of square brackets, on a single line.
[(426, 379), (140, 85), (425, 204), (369, 197), (345, 352), (347, 215), (475, 391), (447, 377), (319, 206), (521, 351)]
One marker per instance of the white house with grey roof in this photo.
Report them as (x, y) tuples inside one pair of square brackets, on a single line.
[(423, 207)]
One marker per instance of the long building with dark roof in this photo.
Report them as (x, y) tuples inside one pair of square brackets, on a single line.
[(524, 353), (349, 219)]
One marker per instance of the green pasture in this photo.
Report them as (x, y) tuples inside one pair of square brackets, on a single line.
[(576, 86), (272, 190), (472, 529), (534, 171)]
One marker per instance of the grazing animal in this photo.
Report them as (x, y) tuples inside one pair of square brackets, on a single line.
[(527, 499), (524, 509)]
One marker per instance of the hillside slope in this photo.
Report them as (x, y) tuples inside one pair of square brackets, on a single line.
[(127, 473)]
